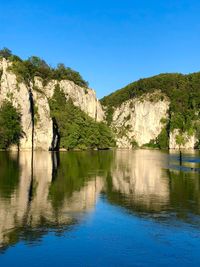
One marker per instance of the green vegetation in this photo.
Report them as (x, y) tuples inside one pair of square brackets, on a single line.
[(5, 53), (162, 140), (77, 130), (26, 70), (182, 90), (10, 125), (134, 144), (180, 140)]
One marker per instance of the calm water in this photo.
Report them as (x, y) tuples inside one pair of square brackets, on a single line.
[(107, 208)]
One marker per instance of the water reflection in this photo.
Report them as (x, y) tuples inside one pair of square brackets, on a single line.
[(55, 191), (45, 194), (153, 184), (138, 180)]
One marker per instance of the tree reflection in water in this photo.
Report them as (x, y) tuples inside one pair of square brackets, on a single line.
[(47, 193), (56, 190)]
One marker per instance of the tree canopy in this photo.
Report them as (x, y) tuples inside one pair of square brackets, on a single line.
[(26, 70)]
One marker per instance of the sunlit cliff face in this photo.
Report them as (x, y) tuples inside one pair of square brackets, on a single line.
[(30, 203), (140, 177)]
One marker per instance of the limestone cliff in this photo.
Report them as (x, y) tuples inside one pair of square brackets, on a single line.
[(19, 94), (139, 114), (140, 119)]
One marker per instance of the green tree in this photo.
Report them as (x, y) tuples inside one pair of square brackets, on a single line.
[(10, 125), (26, 70), (180, 140), (65, 73), (38, 62), (5, 53)]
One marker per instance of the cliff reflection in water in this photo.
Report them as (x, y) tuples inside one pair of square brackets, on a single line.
[(55, 191), (51, 193), (138, 180), (142, 181)]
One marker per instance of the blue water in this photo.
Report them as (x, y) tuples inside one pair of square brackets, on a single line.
[(122, 227)]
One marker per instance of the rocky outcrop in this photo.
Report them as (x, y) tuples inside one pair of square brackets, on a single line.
[(140, 119), (19, 95), (189, 141), (84, 98)]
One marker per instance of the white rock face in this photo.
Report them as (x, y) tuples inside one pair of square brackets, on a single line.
[(18, 94), (189, 141), (139, 120), (43, 133), (84, 98)]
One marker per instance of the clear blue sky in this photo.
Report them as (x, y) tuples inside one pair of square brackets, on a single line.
[(110, 42)]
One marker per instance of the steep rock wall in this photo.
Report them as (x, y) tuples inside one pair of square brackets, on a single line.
[(139, 119), (19, 95), (84, 98)]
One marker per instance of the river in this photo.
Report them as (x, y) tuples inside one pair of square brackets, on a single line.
[(99, 208)]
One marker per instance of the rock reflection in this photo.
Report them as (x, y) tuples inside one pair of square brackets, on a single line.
[(52, 204), (144, 182), (139, 177), (55, 191)]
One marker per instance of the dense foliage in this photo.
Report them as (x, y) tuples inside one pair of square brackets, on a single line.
[(10, 125), (182, 90), (77, 130), (26, 70)]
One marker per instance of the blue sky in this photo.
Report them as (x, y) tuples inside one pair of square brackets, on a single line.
[(110, 42)]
